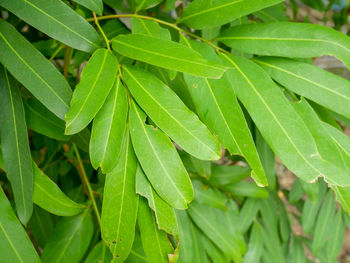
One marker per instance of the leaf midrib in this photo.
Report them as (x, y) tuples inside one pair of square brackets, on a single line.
[(10, 242)]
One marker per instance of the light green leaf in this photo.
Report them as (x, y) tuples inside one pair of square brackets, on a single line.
[(273, 14), (297, 253), (70, 239), (309, 81), (278, 122), (225, 175), (206, 13), (154, 241), (149, 28), (165, 215), (248, 213), (160, 161), (255, 245), (288, 39), (15, 146), (206, 218), (99, 254), (108, 129), (191, 248), (89, 95), (41, 226), (336, 239), (33, 70), (144, 4), (14, 242), (137, 255), (248, 189), (57, 20), (94, 5), (213, 252), (43, 121), (170, 114), (120, 203), (49, 196), (209, 196), (166, 54)]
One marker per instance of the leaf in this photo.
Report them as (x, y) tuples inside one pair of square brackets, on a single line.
[(160, 161), (255, 245), (43, 121), (246, 189), (248, 213), (165, 215), (170, 114), (33, 70), (225, 175), (41, 225), (324, 223), (209, 196), (336, 238), (70, 239), (297, 253), (288, 39), (145, 4), (154, 241), (93, 5), (218, 107), (206, 13), (100, 253), (120, 204), (213, 252), (15, 146), (108, 129), (137, 255), (149, 28), (49, 196), (203, 168), (191, 248), (57, 20), (89, 95), (327, 89), (206, 218), (278, 122), (166, 54), (14, 242)]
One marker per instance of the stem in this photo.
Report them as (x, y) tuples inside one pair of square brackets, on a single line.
[(160, 22), (87, 183), (66, 61), (56, 52), (102, 32)]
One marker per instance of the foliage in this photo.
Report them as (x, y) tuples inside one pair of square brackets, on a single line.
[(147, 131)]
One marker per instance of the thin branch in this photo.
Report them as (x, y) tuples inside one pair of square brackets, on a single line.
[(102, 32)]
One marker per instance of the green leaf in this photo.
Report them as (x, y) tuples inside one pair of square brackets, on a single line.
[(166, 54), (14, 242), (137, 255), (209, 196), (49, 196), (226, 175), (100, 253), (33, 70), (207, 219), (170, 114), (255, 245), (154, 241), (120, 203), (15, 146), (144, 4), (57, 20), (94, 5), (248, 213), (336, 238), (149, 28), (43, 121), (278, 122), (297, 253), (41, 226), (248, 189), (70, 239), (165, 215), (213, 252), (327, 89), (191, 248), (89, 95), (108, 129), (298, 40), (324, 223), (160, 161), (206, 13)]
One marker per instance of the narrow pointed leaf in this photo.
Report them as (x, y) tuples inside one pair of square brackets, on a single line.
[(120, 204), (255, 246), (170, 114), (165, 215), (94, 5), (108, 129), (70, 239), (160, 161), (15, 145), (33, 70), (277, 121), (57, 20), (298, 40), (145, 4), (248, 213), (89, 95), (206, 13), (311, 82), (166, 54), (209, 196), (14, 242), (336, 238), (41, 226), (137, 255), (49, 196), (154, 241), (100, 253), (149, 28)]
